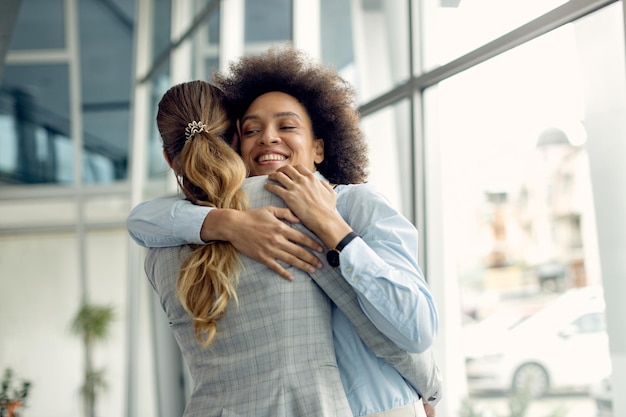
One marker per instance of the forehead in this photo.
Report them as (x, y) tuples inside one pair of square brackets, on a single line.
[(276, 102)]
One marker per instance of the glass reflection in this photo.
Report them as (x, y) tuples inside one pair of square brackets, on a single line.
[(388, 132), (48, 16), (268, 21), (455, 27), (34, 107), (368, 42), (518, 200)]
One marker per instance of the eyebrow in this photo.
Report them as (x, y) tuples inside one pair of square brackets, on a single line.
[(276, 116)]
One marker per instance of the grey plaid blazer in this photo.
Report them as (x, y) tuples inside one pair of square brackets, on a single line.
[(273, 355), (420, 370)]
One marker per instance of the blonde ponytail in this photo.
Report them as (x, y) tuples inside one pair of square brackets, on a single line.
[(210, 174)]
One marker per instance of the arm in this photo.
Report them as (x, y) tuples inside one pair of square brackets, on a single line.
[(383, 270), (166, 221), (260, 233), (418, 369), (380, 266)]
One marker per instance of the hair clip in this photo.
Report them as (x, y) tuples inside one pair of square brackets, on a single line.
[(193, 128)]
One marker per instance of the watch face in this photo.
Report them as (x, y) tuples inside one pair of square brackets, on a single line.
[(332, 256)]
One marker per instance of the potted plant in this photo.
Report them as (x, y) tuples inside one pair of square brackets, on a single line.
[(12, 397)]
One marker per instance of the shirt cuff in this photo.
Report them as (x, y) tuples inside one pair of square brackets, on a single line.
[(189, 220)]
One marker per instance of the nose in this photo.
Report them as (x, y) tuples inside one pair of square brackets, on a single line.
[(269, 136)]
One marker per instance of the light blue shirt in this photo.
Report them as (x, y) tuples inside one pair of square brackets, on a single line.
[(381, 266)]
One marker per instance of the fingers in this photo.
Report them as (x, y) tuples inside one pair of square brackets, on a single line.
[(303, 241), (295, 256), (284, 213), (275, 266), (291, 173)]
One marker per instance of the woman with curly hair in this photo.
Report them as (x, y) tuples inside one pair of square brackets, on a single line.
[(297, 123)]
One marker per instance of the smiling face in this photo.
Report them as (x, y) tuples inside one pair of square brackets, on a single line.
[(276, 131)]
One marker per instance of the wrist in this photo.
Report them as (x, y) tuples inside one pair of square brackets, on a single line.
[(215, 225), (330, 229), (332, 256)]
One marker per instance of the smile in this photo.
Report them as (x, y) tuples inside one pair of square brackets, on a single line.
[(271, 157)]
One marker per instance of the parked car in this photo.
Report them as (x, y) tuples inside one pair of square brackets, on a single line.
[(562, 347), (603, 397)]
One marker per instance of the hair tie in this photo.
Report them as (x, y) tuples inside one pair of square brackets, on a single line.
[(193, 128)]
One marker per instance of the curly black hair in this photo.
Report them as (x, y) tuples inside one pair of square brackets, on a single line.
[(328, 98)]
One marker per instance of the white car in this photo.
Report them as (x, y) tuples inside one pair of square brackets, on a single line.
[(603, 397), (562, 347)]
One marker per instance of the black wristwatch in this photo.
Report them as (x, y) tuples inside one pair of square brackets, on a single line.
[(333, 255)]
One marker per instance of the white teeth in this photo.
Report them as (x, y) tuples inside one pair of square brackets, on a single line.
[(271, 157)]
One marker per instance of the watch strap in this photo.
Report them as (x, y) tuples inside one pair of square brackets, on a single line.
[(332, 256), (344, 242)]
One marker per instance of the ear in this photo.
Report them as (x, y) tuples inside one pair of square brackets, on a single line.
[(169, 161), (318, 147)]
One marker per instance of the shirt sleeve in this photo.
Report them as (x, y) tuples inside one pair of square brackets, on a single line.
[(382, 268), (166, 221)]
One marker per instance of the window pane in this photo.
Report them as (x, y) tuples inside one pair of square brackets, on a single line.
[(161, 33), (106, 55), (34, 106), (207, 47), (213, 28), (157, 167), (455, 27), (388, 133), (518, 200), (268, 21), (48, 16), (369, 45)]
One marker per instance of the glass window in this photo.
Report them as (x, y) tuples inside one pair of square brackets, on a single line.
[(591, 323), (106, 54), (388, 134), (213, 28), (48, 16), (162, 21), (157, 167), (369, 45), (268, 21), (515, 136), (452, 28), (206, 46), (34, 106), (37, 97)]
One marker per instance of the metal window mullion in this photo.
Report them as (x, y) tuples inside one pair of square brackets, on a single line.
[(180, 58), (140, 119), (42, 56), (76, 129), (232, 24), (307, 27)]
